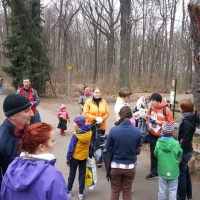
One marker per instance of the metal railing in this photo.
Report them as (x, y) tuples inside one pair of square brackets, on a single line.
[(197, 132)]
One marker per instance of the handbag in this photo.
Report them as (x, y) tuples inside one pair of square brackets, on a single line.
[(107, 156), (91, 173)]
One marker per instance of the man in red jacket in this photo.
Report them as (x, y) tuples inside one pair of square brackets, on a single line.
[(27, 91)]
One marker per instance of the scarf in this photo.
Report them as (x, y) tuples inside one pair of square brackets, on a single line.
[(182, 117)]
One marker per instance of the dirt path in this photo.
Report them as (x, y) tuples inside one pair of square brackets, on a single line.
[(143, 189)]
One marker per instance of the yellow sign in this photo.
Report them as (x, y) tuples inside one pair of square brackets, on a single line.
[(69, 67)]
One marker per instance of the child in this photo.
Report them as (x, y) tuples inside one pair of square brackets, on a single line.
[(63, 116), (168, 152), (78, 152), (142, 103)]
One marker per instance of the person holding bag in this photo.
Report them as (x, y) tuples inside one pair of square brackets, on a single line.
[(78, 152), (96, 112), (125, 141)]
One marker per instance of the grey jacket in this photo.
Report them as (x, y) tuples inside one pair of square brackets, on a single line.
[(81, 102), (35, 95)]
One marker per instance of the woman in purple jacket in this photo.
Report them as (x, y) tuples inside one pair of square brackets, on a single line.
[(33, 175)]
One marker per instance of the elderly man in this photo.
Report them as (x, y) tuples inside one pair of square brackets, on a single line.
[(17, 110), (30, 93)]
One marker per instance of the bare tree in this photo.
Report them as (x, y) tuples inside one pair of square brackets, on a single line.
[(125, 9), (194, 11)]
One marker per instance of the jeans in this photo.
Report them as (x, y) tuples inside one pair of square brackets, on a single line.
[(74, 163), (1, 90), (182, 180), (172, 187), (121, 179)]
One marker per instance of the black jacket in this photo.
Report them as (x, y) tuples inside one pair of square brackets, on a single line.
[(186, 132), (8, 146)]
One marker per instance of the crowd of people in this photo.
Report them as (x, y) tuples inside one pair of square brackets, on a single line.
[(26, 144)]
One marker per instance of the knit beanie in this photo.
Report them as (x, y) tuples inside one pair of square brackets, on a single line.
[(62, 106), (156, 96), (15, 103), (167, 129), (79, 120)]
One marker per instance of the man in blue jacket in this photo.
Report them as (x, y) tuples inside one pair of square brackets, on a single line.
[(17, 110)]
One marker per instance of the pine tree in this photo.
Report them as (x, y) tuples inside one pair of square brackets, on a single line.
[(26, 47)]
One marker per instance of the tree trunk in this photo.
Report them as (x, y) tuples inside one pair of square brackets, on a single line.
[(173, 14), (125, 8), (194, 12)]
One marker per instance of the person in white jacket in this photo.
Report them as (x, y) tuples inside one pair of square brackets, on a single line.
[(122, 100)]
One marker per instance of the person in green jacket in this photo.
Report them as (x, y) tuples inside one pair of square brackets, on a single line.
[(168, 152)]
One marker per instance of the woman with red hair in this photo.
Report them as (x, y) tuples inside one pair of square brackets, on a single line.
[(32, 174)]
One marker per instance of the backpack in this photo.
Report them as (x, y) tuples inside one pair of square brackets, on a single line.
[(164, 110)]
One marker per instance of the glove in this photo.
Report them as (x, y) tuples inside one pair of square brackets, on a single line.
[(68, 163), (152, 121), (99, 120)]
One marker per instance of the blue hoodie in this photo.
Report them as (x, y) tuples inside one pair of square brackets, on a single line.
[(31, 179)]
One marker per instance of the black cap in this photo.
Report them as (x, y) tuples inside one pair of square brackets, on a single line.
[(15, 103), (156, 96)]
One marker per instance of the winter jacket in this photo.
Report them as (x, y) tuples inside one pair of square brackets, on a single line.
[(141, 104), (33, 178), (186, 131), (79, 144), (158, 113), (168, 152), (8, 146), (118, 105), (32, 95), (81, 102), (125, 140), (63, 115), (91, 111)]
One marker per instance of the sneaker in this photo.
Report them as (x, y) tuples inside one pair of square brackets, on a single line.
[(151, 176), (70, 194), (80, 196)]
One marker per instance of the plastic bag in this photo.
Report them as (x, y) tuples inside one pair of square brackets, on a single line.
[(97, 155), (91, 173)]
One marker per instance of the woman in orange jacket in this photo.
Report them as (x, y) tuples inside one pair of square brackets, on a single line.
[(96, 110)]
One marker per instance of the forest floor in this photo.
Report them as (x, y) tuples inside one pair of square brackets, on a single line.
[(111, 100), (53, 103)]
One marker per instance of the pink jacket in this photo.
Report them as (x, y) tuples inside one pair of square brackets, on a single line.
[(62, 114)]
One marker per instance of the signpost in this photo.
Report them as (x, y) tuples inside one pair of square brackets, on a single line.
[(69, 68), (173, 94)]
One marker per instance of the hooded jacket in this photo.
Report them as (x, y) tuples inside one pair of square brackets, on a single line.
[(79, 144), (158, 112), (28, 179), (186, 131), (168, 152)]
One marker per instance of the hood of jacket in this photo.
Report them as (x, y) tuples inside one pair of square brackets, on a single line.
[(82, 135), (23, 171), (167, 144), (194, 119), (161, 105)]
